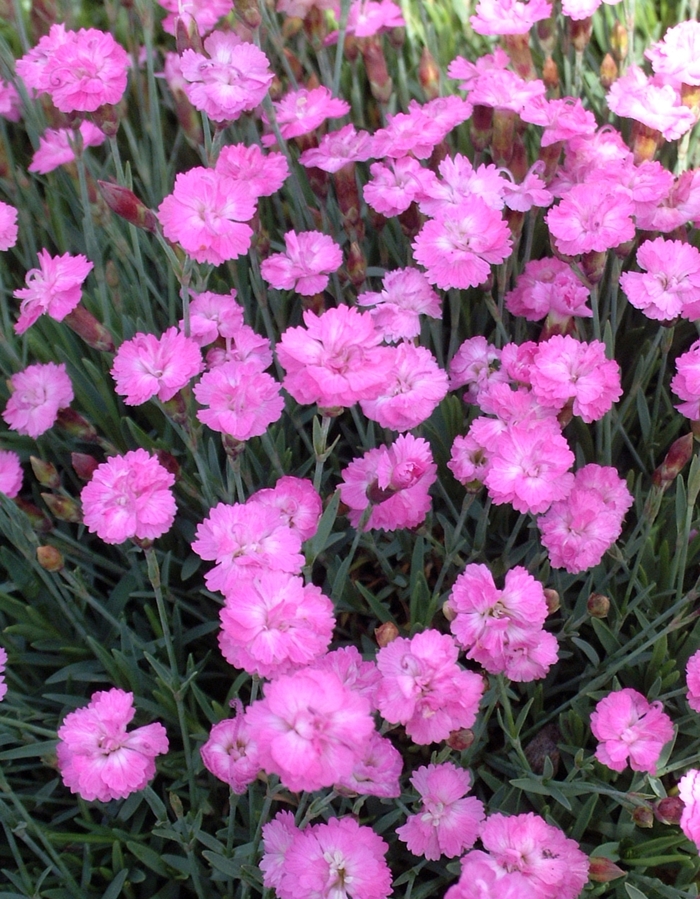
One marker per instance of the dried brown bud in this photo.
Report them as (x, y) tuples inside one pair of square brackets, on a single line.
[(169, 462), (45, 473), (544, 746), (249, 12), (84, 465), (126, 204), (38, 519), (608, 71), (63, 507), (386, 633), (356, 265), (643, 816), (593, 265), (49, 558), (602, 870), (552, 599), (598, 605), (669, 810), (678, 456), (459, 740)]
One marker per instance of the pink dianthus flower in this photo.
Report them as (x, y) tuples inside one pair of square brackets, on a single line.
[(9, 230), (56, 149), (448, 822), (548, 287), (129, 496), (54, 288), (297, 502), (231, 755), (689, 791), (406, 294), (205, 13), (302, 111), (213, 315), (692, 679), (377, 773), (669, 286), (243, 401), (629, 727), (10, 473), (148, 366), (309, 259), (97, 758), (686, 382), (591, 217), (338, 149), (393, 187), (676, 55), (509, 16), (475, 364), (38, 393), (10, 103), (654, 104), (263, 173)]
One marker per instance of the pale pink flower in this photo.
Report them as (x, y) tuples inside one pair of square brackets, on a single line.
[(10, 473), (424, 688), (692, 679), (459, 181), (213, 315), (394, 480), (10, 102), (302, 111), (232, 79), (309, 259), (509, 16), (338, 149), (502, 89), (474, 365), (590, 217), (551, 862), (96, 756), (274, 624), (54, 288), (264, 173), (669, 286), (655, 105), (205, 215), (406, 134), (244, 540), (686, 382), (468, 461), (470, 72), (37, 393), (243, 401), (278, 837), (205, 13), (370, 17), (148, 366), (562, 119), (676, 57), (414, 388), (57, 146), (548, 287), (129, 496), (447, 822), (9, 230), (629, 727), (310, 729), (354, 672), (377, 772), (298, 504), (242, 345), (689, 791), (393, 187), (406, 294), (583, 9), (521, 196), (231, 755), (458, 248), (564, 368), (483, 878), (447, 112), (335, 360)]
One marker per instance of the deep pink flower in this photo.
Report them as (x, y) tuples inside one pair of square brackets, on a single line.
[(689, 791), (9, 230), (561, 119), (302, 111), (56, 146), (395, 480), (414, 134), (148, 366), (629, 727), (459, 181), (686, 382), (231, 755), (406, 294), (692, 679), (10, 473), (337, 149), (548, 287), (243, 401), (205, 215), (32, 67), (129, 496), (447, 822), (377, 773), (213, 315), (205, 13), (264, 173), (54, 288), (310, 729), (97, 758), (309, 259), (483, 878), (278, 837), (297, 502), (393, 187), (669, 286), (335, 360), (354, 672), (591, 217), (38, 393), (242, 345), (509, 16)]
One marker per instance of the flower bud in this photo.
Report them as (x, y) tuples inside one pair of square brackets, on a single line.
[(593, 265), (126, 204), (448, 611), (550, 75), (380, 82), (669, 810), (37, 519), (643, 816), (49, 558), (545, 745), (249, 12), (386, 633), (106, 118), (608, 71), (93, 332), (598, 605), (679, 454), (459, 740), (75, 425), (481, 127), (602, 870), (580, 31), (83, 465), (42, 16), (429, 75), (186, 35), (552, 599), (356, 265), (619, 42), (45, 473), (63, 507)]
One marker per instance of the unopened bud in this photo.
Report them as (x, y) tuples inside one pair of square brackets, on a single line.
[(580, 31), (645, 142), (593, 265), (386, 633), (294, 64), (74, 424), (598, 605), (448, 611), (249, 11), (678, 456), (356, 265), (619, 41), (169, 462), (63, 507), (608, 71), (187, 37), (106, 118), (93, 332), (459, 740), (176, 805), (552, 599), (37, 519), (481, 127), (546, 30), (49, 558), (429, 75), (643, 816), (380, 82), (550, 74), (602, 870), (669, 810), (42, 15), (126, 204), (83, 465), (45, 473)]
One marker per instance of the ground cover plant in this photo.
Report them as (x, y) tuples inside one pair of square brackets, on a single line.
[(347, 468)]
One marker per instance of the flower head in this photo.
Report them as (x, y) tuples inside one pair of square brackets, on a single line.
[(148, 366), (629, 727), (309, 259), (38, 393), (230, 754), (243, 401), (54, 288), (10, 473), (9, 229), (56, 147)]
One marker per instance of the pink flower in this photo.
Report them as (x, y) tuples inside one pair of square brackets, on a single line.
[(10, 103), (468, 461), (129, 496), (33, 67), (686, 382), (369, 17), (278, 837), (377, 773), (509, 16), (415, 134), (360, 676), (692, 679), (9, 229), (591, 217), (264, 173), (676, 55), (654, 104), (424, 688), (670, 283), (10, 473), (231, 755), (562, 119), (213, 315), (483, 878), (548, 287), (38, 393), (338, 149), (302, 111), (395, 480), (310, 729), (54, 288), (629, 727), (335, 360), (582, 9), (205, 213), (274, 624), (305, 266), (148, 366), (406, 294), (234, 78), (56, 149), (243, 401), (447, 823), (689, 791), (206, 13), (459, 181), (297, 502), (97, 758), (242, 345), (395, 186), (475, 364)]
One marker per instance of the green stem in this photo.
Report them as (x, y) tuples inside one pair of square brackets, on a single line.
[(320, 449)]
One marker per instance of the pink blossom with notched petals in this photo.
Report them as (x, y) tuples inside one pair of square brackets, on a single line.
[(474, 365), (531, 191), (377, 773), (297, 502), (483, 878), (278, 837), (11, 475), (369, 17), (468, 461), (583, 9), (424, 688), (309, 259), (406, 294), (206, 213), (406, 134), (10, 102), (55, 288), (548, 287), (692, 679), (676, 55), (232, 79), (669, 286), (264, 173), (414, 388), (242, 345), (354, 672), (459, 181), (148, 366), (561, 119), (630, 728), (686, 382), (470, 72), (509, 16), (338, 149), (658, 106), (243, 401), (395, 480), (299, 9), (37, 393), (591, 217), (335, 360), (393, 187), (447, 112), (55, 147), (448, 821), (34, 67), (505, 90), (689, 791), (231, 755), (302, 111), (9, 229), (213, 315), (205, 13)]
